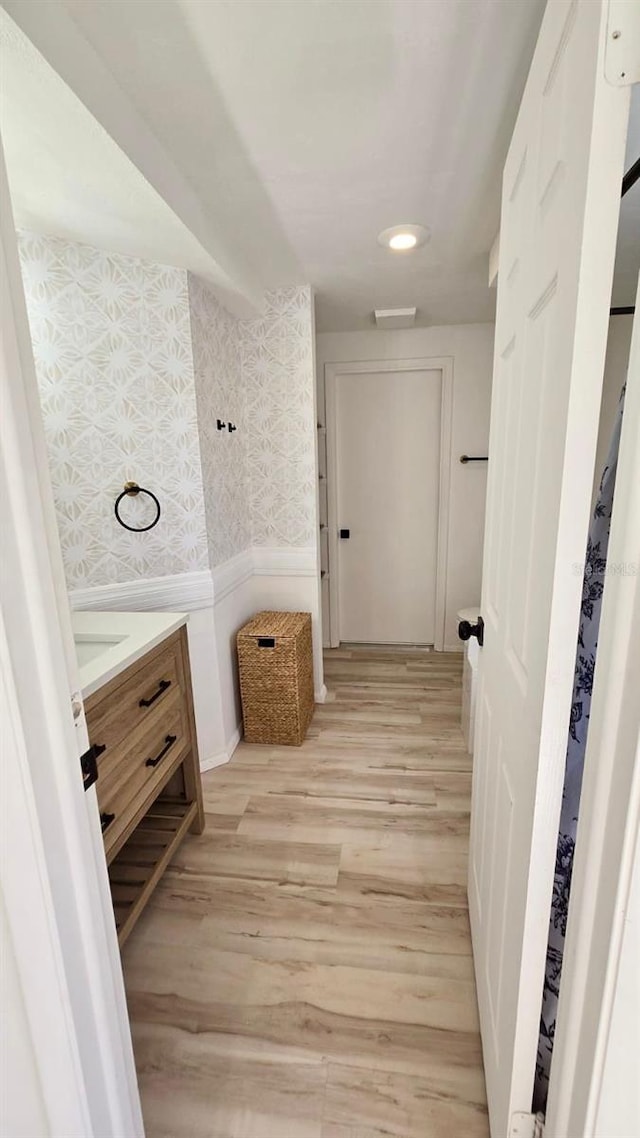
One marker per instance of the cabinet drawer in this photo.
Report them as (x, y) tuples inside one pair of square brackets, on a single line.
[(135, 771), (144, 691)]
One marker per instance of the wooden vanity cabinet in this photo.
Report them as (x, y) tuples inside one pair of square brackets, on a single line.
[(141, 724)]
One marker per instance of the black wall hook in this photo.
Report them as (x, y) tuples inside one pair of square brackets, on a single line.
[(220, 425), (232, 428)]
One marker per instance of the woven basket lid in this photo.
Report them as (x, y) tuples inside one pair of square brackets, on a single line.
[(276, 624)]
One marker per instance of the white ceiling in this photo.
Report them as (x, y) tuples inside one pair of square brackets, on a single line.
[(357, 116), (294, 131), (69, 178)]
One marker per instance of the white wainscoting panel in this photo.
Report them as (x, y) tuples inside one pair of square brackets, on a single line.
[(220, 602), (284, 561), (231, 574), (182, 592), (234, 605), (289, 579)]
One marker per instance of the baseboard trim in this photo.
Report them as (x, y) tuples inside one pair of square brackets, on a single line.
[(233, 741), (217, 760), (222, 757), (321, 695), (182, 592)]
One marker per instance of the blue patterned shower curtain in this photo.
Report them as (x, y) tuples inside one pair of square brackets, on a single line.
[(592, 590)]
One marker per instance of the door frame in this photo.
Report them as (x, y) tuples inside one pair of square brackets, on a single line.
[(53, 872), (332, 373), (607, 842)]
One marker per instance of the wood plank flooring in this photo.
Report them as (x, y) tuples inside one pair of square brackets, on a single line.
[(304, 969)]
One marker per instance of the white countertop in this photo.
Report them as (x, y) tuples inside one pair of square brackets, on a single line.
[(107, 642)]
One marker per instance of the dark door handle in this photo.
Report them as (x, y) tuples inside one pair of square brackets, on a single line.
[(345, 534), (106, 820), (466, 630), (162, 686), (168, 744)]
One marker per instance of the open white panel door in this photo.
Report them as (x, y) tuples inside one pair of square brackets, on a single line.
[(560, 207)]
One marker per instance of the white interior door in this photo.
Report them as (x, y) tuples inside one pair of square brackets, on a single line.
[(388, 471), (560, 207)]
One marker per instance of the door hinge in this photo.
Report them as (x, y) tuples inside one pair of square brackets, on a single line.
[(622, 51), (526, 1125), (89, 764)]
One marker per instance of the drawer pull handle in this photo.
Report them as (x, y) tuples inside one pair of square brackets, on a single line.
[(105, 821), (168, 744), (162, 686)]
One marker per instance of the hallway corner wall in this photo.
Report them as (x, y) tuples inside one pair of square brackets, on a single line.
[(279, 381), (136, 362), (113, 355), (216, 338)]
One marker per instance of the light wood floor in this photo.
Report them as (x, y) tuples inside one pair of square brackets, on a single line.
[(304, 969)]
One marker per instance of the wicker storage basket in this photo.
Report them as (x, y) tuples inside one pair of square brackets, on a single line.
[(275, 661)]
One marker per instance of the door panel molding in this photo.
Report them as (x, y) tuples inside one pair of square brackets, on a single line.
[(560, 205), (332, 371)]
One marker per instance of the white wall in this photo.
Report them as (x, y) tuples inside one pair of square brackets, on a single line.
[(296, 589), (470, 347), (260, 579), (260, 481), (232, 610), (205, 680), (615, 374)]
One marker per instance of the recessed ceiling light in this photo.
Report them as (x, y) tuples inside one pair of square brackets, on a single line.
[(403, 241), (403, 238)]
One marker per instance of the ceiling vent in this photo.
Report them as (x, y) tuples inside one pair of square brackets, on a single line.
[(395, 317)]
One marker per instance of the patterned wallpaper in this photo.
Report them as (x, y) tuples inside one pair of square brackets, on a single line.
[(220, 395), (111, 339), (135, 363), (278, 380)]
